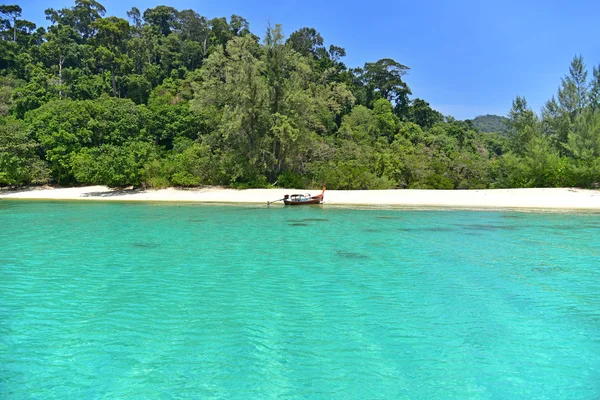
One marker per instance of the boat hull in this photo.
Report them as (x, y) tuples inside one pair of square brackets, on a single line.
[(312, 201), (303, 199)]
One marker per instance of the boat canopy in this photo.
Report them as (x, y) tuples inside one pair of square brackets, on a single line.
[(300, 197)]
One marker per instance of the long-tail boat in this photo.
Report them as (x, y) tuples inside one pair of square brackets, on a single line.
[(303, 199)]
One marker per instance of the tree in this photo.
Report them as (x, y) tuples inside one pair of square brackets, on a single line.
[(231, 87), (25, 29), (573, 97), (194, 30), (384, 79), (169, 117), (220, 33), (421, 113), (81, 17), (191, 55), (584, 137), (523, 125), (19, 162), (336, 53), (544, 167), (306, 41), (35, 93), (359, 126), (7, 86), (386, 120), (60, 46), (276, 65), (136, 18), (12, 12), (239, 25), (111, 52), (162, 17), (583, 146), (573, 94), (87, 12), (594, 95)]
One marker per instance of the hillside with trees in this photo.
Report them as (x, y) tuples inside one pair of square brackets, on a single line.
[(491, 123), (169, 97)]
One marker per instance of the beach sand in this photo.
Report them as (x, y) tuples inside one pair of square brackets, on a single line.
[(557, 199)]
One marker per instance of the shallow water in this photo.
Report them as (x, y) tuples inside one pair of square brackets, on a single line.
[(116, 300)]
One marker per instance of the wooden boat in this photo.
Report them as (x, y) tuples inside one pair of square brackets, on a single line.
[(303, 199)]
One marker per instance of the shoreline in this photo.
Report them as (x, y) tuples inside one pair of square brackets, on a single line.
[(536, 199)]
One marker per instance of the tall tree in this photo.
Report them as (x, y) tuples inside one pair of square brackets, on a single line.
[(86, 13), (136, 18), (306, 41), (275, 61), (60, 46), (383, 79), (584, 137), (239, 25), (25, 29), (111, 51), (594, 96), (220, 32), (12, 12), (559, 113), (163, 17), (523, 125), (194, 27), (81, 17)]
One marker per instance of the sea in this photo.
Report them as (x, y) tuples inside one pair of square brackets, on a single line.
[(117, 300)]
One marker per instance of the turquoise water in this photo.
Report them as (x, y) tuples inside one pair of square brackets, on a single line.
[(136, 301)]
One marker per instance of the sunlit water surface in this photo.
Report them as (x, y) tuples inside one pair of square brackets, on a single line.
[(124, 301)]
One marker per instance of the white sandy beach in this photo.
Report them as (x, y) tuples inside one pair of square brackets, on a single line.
[(558, 199)]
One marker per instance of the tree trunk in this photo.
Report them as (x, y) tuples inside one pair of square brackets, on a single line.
[(61, 60), (114, 84), (274, 170), (14, 29)]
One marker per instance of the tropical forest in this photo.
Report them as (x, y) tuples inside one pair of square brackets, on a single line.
[(165, 97)]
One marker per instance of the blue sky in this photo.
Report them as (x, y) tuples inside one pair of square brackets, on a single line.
[(467, 58)]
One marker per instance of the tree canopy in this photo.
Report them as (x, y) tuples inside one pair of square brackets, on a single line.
[(168, 97)]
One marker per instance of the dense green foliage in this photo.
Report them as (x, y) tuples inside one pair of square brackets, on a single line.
[(173, 98), (491, 123)]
